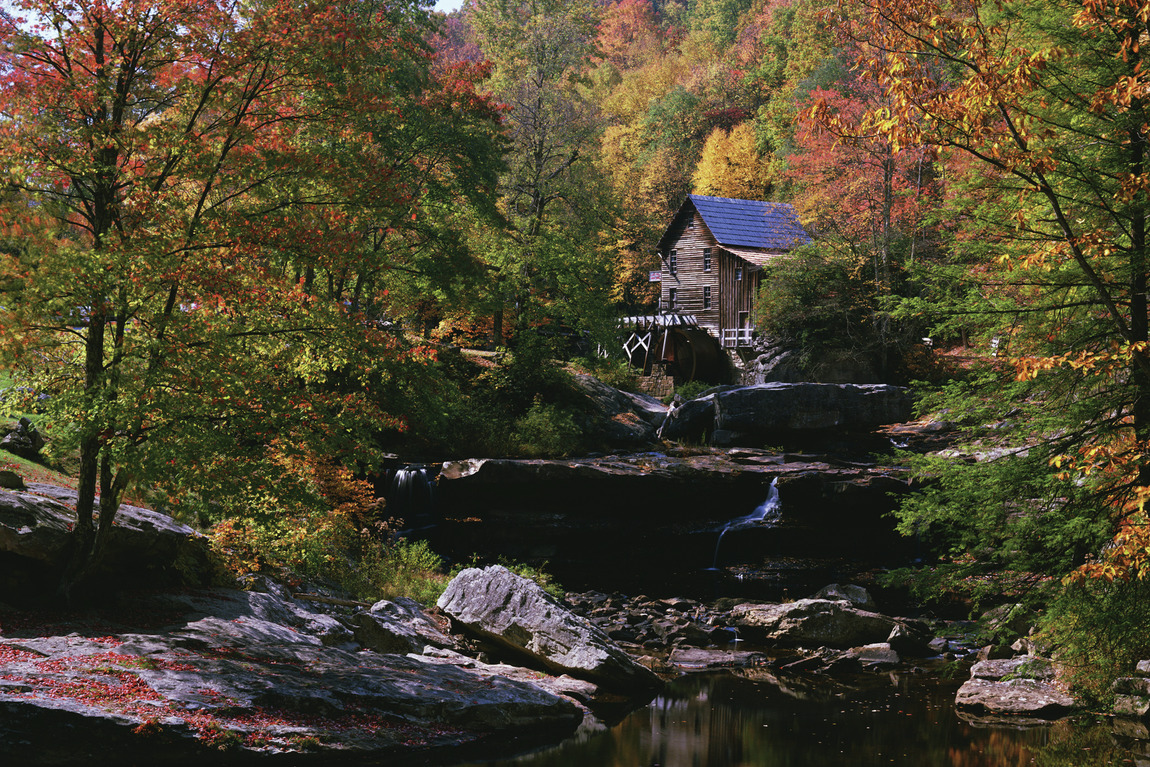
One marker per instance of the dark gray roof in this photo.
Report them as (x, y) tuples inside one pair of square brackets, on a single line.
[(748, 223)]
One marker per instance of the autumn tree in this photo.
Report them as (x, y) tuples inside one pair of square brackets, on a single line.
[(180, 177), (1048, 102), (552, 257), (730, 165)]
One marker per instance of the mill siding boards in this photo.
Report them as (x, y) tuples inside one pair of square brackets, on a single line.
[(742, 234)]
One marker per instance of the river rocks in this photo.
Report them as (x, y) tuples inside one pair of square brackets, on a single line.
[(704, 659), (399, 626), (144, 544), (777, 410), (1132, 693), (252, 672), (1018, 686), (519, 616), (856, 595), (820, 622)]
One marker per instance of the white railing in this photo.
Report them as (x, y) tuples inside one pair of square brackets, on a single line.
[(733, 337)]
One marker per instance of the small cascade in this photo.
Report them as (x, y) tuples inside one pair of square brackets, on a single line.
[(766, 514), (411, 496)]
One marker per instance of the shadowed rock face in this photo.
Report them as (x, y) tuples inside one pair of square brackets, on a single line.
[(756, 415), (145, 547), (514, 612), (600, 521)]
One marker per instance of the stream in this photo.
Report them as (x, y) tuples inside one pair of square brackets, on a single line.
[(689, 534), (756, 718)]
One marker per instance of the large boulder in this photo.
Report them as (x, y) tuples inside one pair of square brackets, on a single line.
[(618, 418), (1021, 686), (821, 622), (780, 410), (516, 614), (144, 545)]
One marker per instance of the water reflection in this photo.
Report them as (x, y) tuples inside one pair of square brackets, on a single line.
[(759, 719)]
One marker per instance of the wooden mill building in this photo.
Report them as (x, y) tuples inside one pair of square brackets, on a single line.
[(713, 253)]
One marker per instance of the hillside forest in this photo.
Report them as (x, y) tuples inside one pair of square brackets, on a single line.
[(243, 244)]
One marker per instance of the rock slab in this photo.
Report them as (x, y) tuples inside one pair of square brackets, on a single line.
[(822, 622), (252, 673), (1022, 686), (516, 614), (773, 409)]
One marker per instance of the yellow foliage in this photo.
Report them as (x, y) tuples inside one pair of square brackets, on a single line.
[(730, 166)]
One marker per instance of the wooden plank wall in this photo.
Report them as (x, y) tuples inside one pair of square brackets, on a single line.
[(729, 296), (689, 279)]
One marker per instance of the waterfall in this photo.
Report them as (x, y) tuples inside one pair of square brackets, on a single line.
[(766, 514), (412, 495)]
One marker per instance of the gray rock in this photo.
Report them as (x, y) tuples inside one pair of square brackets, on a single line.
[(1027, 697), (700, 659), (774, 409), (813, 622), (856, 595), (872, 655), (1014, 687), (1131, 706), (399, 626), (515, 613), (1015, 668), (35, 527), (24, 440), (254, 664)]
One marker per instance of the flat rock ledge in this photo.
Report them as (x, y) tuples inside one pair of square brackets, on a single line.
[(1014, 687), (233, 676)]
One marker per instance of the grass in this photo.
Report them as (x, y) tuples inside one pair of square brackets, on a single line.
[(32, 471)]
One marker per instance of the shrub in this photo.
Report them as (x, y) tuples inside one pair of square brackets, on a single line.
[(1099, 630), (546, 430)]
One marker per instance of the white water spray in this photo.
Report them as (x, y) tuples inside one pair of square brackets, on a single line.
[(765, 514)]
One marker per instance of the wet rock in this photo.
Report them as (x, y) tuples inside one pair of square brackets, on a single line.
[(700, 659), (1015, 686), (813, 622), (515, 613)]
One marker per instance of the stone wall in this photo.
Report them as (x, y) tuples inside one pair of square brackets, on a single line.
[(658, 384)]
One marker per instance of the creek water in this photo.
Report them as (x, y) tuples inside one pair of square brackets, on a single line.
[(757, 718)]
